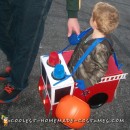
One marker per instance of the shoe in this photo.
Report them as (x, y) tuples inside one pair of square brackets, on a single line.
[(5, 75), (9, 94)]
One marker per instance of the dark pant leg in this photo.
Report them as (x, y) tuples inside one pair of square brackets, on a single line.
[(27, 31), (6, 43)]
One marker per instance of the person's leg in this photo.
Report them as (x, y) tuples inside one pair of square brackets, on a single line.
[(6, 43), (30, 20), (27, 31)]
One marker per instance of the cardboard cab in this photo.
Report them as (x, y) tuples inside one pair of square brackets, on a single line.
[(51, 90)]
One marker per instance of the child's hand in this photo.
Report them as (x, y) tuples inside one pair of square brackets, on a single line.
[(73, 26)]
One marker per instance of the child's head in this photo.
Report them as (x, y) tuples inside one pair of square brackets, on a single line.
[(105, 17)]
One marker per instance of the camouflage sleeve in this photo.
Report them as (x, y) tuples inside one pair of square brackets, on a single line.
[(100, 56), (73, 7)]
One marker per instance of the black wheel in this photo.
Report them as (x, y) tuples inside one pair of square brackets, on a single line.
[(97, 100)]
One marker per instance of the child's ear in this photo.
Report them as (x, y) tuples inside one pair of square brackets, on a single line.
[(95, 24)]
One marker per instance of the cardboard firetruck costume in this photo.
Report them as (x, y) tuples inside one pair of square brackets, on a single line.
[(54, 85)]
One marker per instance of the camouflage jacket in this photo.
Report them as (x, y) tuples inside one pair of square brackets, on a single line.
[(95, 65)]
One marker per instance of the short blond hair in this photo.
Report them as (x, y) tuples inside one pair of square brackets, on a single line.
[(106, 17)]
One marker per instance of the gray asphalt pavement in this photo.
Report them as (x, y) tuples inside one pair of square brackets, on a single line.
[(29, 105)]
